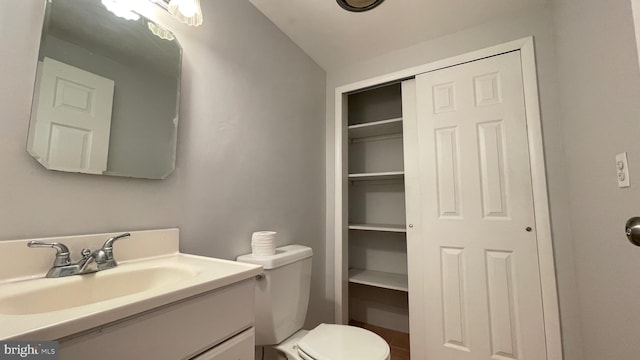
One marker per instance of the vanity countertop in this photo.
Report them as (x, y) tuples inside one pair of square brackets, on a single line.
[(148, 277)]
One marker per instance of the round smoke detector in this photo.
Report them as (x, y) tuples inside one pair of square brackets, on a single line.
[(359, 5)]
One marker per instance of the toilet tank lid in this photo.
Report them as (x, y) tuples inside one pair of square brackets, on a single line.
[(284, 255)]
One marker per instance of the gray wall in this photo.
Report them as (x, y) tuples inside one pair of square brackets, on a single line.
[(250, 147), (535, 21), (600, 88)]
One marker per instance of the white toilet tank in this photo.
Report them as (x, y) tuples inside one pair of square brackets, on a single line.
[(282, 295)]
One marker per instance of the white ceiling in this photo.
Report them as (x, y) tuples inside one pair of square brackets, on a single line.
[(334, 37)]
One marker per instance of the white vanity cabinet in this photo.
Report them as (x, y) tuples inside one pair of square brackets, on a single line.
[(239, 347), (217, 325)]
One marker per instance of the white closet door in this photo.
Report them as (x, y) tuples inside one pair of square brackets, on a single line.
[(481, 281), (73, 119)]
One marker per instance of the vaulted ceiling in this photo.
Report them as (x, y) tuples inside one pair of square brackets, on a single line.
[(334, 37)]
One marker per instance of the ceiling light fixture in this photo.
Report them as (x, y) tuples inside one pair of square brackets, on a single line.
[(120, 9), (159, 31), (187, 11), (359, 5)]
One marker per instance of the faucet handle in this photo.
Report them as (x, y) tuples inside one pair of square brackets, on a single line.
[(109, 243), (63, 257), (104, 256)]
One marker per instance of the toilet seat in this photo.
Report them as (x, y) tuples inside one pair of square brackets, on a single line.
[(341, 342)]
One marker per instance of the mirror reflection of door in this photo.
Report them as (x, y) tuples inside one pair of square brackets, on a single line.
[(73, 119)]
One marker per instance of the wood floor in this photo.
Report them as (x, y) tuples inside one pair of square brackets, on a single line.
[(398, 341)]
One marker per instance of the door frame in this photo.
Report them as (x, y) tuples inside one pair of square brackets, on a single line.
[(538, 182)]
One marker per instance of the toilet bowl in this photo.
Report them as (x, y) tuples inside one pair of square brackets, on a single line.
[(334, 342), (282, 297)]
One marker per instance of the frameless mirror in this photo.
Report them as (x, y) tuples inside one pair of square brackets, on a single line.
[(106, 93)]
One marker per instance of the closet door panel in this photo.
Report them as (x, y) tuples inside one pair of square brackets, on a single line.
[(475, 246)]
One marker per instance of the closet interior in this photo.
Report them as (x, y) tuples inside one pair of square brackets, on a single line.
[(377, 242)]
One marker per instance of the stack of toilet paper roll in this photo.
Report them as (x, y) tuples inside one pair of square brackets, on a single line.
[(263, 243)]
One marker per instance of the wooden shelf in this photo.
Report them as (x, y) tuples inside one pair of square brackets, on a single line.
[(376, 128), (378, 227), (390, 175), (379, 279)]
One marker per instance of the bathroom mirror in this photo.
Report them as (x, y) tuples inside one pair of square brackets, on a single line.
[(106, 93)]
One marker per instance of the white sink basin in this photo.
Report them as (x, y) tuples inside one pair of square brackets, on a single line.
[(42, 308), (45, 295)]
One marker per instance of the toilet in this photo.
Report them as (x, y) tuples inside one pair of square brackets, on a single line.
[(282, 297)]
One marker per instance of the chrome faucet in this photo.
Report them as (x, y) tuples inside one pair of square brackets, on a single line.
[(62, 265)]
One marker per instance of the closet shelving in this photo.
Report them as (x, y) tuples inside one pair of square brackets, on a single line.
[(376, 128), (379, 227), (388, 175), (380, 279), (377, 266)]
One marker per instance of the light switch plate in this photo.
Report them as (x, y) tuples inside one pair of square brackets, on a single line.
[(622, 170)]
